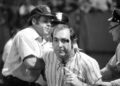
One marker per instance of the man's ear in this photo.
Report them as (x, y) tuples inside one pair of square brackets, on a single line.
[(34, 21)]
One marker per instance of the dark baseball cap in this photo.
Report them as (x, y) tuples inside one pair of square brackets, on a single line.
[(60, 18), (42, 10), (115, 18)]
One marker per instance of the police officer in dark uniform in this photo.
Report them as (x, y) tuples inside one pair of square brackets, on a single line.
[(112, 70)]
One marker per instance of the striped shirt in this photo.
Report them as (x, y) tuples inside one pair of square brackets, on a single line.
[(85, 67)]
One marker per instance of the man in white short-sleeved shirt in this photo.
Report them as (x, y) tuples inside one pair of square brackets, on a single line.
[(24, 64)]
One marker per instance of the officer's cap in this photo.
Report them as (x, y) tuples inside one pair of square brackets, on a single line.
[(42, 10), (60, 18), (115, 16)]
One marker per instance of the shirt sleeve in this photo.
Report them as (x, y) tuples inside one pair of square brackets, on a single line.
[(92, 70), (116, 82), (112, 63), (118, 55), (24, 46), (7, 48)]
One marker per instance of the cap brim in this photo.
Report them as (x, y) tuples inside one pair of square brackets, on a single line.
[(58, 22), (48, 15)]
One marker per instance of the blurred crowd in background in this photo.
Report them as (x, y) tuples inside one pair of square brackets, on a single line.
[(14, 13)]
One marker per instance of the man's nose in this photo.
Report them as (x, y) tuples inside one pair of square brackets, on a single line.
[(49, 24), (60, 44)]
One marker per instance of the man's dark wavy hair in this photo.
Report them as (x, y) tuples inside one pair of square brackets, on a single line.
[(73, 36)]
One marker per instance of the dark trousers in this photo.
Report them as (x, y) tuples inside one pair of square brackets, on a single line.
[(13, 81)]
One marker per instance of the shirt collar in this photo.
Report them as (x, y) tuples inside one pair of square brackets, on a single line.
[(34, 34)]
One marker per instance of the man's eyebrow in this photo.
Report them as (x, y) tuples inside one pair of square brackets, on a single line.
[(64, 39)]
